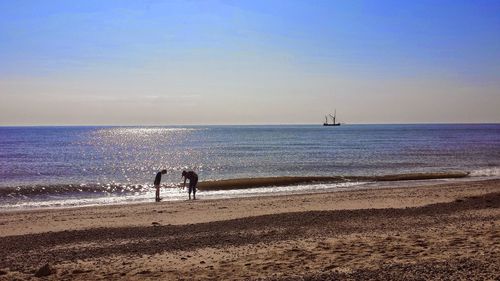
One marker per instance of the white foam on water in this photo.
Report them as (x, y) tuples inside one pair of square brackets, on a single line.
[(279, 190), (486, 172), (178, 194), (172, 194)]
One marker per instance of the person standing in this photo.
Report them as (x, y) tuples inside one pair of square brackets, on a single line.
[(157, 184), (193, 180)]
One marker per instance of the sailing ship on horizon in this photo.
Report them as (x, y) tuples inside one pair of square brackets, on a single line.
[(333, 117)]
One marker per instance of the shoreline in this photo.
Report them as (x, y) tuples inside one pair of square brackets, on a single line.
[(91, 195), (347, 198), (447, 229)]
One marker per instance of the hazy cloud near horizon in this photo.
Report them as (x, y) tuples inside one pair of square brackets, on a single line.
[(271, 62)]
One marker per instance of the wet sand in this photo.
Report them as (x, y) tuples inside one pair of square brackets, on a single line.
[(446, 231)]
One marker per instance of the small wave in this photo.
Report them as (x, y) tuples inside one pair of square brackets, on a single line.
[(421, 176), (486, 172), (244, 183), (64, 189), (227, 184)]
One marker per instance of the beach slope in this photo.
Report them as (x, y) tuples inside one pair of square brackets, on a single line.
[(446, 231)]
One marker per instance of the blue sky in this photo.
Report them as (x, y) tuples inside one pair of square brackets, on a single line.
[(248, 62)]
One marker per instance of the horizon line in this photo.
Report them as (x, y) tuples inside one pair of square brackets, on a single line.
[(255, 124)]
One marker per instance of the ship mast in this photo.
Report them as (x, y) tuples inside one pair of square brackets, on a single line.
[(334, 119)]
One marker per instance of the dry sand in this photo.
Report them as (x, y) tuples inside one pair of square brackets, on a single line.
[(446, 231)]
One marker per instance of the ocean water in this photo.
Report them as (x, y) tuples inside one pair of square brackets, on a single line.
[(74, 166)]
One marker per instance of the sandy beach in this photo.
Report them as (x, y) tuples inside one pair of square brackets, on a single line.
[(446, 231)]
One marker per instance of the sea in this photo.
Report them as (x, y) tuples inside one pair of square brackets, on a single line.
[(54, 167)]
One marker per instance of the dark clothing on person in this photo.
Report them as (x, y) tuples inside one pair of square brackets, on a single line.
[(192, 184), (158, 178), (157, 184), (193, 180)]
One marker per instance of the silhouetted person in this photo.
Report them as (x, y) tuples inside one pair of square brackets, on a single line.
[(193, 180), (157, 184)]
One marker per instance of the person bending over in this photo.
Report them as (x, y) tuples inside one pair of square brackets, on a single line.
[(157, 184), (193, 180)]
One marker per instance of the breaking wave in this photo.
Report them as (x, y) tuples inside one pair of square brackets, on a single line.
[(228, 184), (244, 183), (486, 172), (65, 189)]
